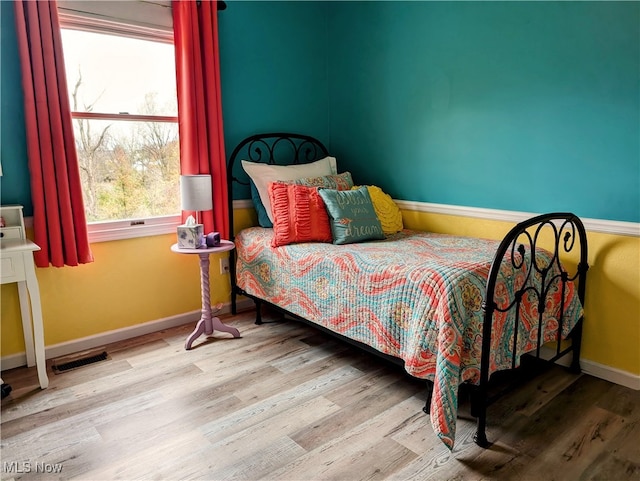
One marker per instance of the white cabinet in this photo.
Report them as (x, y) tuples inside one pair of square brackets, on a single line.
[(11, 233), (12, 226), (16, 265)]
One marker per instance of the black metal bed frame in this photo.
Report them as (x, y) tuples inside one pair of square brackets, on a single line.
[(518, 248)]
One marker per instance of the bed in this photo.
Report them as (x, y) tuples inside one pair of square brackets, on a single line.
[(452, 310)]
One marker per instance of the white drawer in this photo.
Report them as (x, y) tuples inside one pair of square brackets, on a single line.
[(12, 268), (11, 233)]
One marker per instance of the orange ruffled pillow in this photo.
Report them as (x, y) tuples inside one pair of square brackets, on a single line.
[(299, 214)]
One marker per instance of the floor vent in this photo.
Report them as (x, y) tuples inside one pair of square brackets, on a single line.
[(60, 367)]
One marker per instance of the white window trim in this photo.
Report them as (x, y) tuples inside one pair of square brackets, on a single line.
[(131, 228), (87, 24), (145, 20)]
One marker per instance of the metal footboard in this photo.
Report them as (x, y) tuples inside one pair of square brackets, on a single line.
[(565, 232)]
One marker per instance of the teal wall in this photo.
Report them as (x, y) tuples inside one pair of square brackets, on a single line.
[(273, 59), (525, 106), (14, 183), (433, 101)]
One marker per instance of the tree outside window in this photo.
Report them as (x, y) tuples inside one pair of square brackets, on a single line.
[(123, 100)]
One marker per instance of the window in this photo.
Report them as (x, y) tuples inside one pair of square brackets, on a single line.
[(122, 92)]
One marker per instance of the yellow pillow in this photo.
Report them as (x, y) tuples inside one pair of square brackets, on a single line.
[(386, 210)]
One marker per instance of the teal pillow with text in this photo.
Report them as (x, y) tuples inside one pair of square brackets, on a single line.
[(352, 216)]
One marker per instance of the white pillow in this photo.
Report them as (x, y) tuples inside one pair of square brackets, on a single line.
[(263, 174)]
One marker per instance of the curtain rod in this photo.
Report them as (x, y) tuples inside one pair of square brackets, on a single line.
[(221, 4)]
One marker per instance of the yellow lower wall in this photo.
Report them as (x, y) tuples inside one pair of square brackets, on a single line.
[(140, 280)]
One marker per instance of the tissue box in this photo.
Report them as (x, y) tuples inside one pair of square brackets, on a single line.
[(191, 236)]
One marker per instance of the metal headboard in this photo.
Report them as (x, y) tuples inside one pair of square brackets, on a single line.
[(271, 148)]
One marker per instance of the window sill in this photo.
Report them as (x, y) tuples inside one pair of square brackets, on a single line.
[(123, 229), (132, 228)]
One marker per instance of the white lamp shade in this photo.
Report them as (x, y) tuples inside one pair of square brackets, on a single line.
[(195, 192)]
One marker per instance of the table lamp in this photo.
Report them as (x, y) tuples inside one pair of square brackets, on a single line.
[(195, 193), (195, 196)]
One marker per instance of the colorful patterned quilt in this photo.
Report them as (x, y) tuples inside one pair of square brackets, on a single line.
[(416, 296)]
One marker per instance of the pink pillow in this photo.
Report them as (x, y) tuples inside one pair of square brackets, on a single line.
[(299, 214)]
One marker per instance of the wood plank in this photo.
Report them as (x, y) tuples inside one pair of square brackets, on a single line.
[(626, 444), (607, 467), (352, 415), (250, 446), (267, 387), (264, 409), (334, 456), (571, 451)]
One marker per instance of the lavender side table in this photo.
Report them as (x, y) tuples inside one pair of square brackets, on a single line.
[(207, 323)]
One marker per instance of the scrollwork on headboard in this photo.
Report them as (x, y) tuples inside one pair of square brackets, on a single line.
[(271, 148), (278, 148)]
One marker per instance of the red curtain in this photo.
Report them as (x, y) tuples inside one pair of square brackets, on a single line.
[(59, 223), (195, 27)]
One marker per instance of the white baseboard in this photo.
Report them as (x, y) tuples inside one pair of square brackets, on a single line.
[(611, 374), (97, 340)]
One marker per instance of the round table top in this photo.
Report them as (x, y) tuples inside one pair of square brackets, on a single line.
[(225, 245)]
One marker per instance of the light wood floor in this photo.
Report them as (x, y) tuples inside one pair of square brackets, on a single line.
[(285, 402)]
